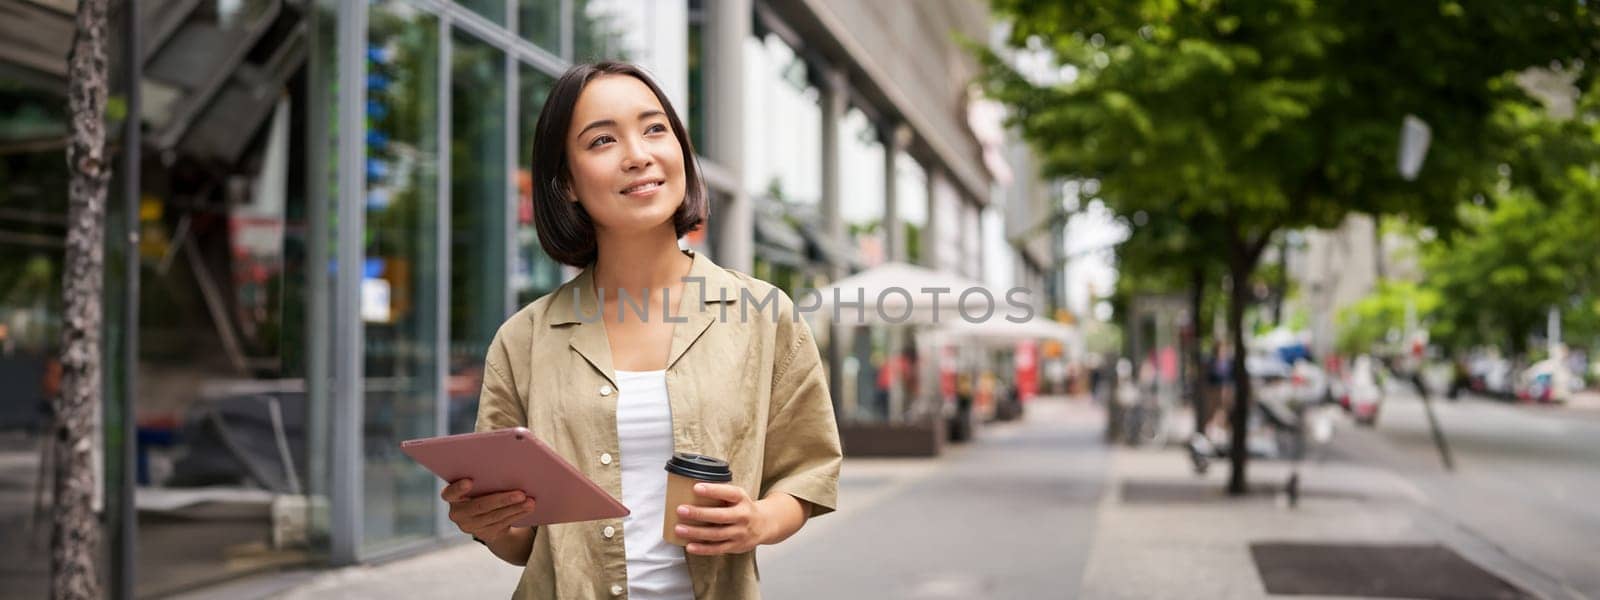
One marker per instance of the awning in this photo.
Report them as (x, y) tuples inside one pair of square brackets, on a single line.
[(777, 241), (1000, 331), (822, 248)]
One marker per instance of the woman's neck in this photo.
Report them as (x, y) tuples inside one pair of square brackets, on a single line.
[(639, 263)]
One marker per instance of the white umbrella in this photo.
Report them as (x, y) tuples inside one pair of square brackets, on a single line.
[(900, 294), (1002, 331)]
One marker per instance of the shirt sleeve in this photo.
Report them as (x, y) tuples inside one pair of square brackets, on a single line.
[(802, 451), (499, 404)]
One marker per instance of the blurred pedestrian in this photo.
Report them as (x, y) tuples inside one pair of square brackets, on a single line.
[(617, 392), (899, 369), (1220, 375), (1460, 378)]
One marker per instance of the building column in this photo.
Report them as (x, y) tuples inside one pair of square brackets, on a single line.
[(834, 97), (976, 231), (346, 494), (933, 231), (895, 136), (727, 28)]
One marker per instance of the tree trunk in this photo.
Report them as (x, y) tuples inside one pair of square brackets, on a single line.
[(1283, 282), (1239, 419), (1243, 254), (1517, 337), (75, 531)]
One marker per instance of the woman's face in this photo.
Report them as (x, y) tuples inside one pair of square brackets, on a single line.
[(627, 165)]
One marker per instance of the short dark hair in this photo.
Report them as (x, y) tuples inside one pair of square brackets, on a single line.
[(565, 229)]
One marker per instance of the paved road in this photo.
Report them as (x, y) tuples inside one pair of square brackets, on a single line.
[(1009, 516), (1527, 478)]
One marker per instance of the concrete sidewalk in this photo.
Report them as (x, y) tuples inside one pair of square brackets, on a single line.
[(1164, 532), (1139, 522), (454, 570)]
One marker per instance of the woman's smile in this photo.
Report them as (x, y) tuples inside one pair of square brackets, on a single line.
[(644, 188)]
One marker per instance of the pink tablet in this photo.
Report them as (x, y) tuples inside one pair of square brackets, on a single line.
[(512, 459)]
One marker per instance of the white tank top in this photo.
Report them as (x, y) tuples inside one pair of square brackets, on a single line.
[(656, 569)]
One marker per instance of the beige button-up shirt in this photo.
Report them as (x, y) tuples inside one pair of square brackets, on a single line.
[(745, 384)]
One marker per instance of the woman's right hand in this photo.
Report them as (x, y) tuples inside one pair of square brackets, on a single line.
[(486, 517)]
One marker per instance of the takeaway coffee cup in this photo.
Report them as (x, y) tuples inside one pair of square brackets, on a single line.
[(683, 471)]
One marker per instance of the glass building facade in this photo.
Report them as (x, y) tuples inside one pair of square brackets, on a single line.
[(431, 108), (335, 215)]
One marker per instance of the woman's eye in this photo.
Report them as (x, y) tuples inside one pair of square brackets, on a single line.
[(656, 128), (598, 140)]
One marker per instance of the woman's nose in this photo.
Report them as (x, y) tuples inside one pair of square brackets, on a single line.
[(635, 155)]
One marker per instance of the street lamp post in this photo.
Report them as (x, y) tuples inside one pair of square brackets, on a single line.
[(1415, 137)]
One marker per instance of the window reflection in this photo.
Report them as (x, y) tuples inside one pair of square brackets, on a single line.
[(783, 152), (696, 42), (539, 21), (478, 209), (221, 408), (534, 273), (494, 10), (599, 30), (32, 236), (861, 183), (911, 203), (398, 299)]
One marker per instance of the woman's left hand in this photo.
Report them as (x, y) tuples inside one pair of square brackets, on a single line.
[(736, 528)]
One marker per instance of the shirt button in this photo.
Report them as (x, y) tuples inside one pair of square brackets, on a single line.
[(605, 458), (616, 590), (608, 531), (605, 390)]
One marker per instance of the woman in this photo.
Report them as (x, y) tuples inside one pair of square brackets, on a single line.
[(648, 351)]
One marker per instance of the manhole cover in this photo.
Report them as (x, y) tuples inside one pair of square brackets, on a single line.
[(1375, 571)]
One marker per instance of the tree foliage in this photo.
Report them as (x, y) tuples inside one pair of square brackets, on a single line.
[(1275, 113), (1263, 114), (1532, 242), (1380, 318)]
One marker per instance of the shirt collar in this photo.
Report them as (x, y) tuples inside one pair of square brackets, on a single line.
[(575, 302)]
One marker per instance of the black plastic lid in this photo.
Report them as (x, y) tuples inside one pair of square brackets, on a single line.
[(698, 466)]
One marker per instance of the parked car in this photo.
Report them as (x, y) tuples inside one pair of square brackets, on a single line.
[(1547, 381), (1490, 375), (1303, 382), (1363, 391)]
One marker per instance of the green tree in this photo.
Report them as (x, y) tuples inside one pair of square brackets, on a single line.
[(1381, 316), (1272, 114), (1531, 243)]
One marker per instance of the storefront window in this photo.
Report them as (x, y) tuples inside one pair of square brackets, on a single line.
[(478, 207), (399, 304), (599, 30), (539, 21), (33, 222), (695, 119), (861, 183), (534, 273), (912, 204), (494, 10), (783, 149), (221, 407)]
